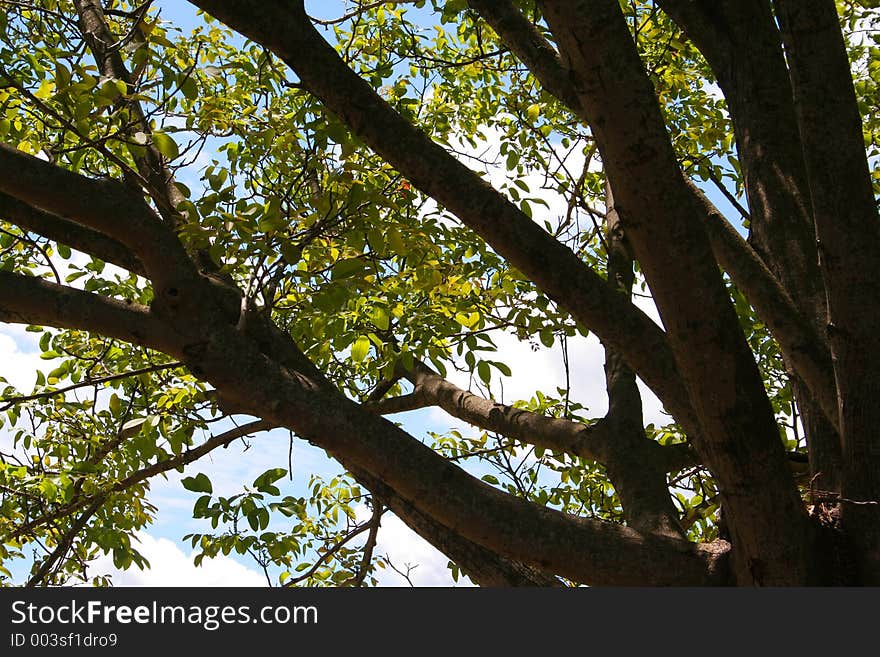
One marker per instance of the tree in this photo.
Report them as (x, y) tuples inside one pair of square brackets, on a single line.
[(341, 256)]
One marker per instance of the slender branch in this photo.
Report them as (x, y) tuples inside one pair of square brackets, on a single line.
[(65, 543), (173, 463), (360, 10), (632, 465), (369, 546), (326, 556), (733, 200), (152, 167), (595, 442), (9, 402)]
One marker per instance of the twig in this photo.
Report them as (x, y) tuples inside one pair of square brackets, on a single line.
[(146, 473), (65, 543), (328, 554), (360, 10), (9, 402), (364, 566)]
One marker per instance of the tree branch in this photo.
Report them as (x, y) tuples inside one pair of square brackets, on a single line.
[(284, 28), (848, 232), (65, 543), (30, 300), (149, 472), (563, 436), (633, 466), (399, 404), (67, 232), (803, 350), (674, 253), (9, 402), (106, 206), (584, 550), (369, 546), (530, 47), (485, 567), (740, 40), (152, 166)]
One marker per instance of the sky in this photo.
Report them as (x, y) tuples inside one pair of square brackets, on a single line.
[(229, 469)]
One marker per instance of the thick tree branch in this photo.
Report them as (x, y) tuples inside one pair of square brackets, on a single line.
[(739, 440), (804, 351), (483, 566), (106, 206), (529, 45), (595, 442), (30, 300), (69, 233), (740, 40), (848, 232), (580, 549), (633, 467)]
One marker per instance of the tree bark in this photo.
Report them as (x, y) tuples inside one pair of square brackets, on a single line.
[(741, 42), (772, 537), (848, 232)]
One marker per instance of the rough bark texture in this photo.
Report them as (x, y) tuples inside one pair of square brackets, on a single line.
[(639, 477), (740, 440), (741, 42), (848, 233)]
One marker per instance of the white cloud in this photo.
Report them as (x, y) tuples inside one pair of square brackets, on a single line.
[(171, 567), (19, 357)]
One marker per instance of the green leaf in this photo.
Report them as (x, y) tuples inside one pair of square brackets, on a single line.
[(360, 349), (165, 145), (198, 484), (533, 112), (189, 88), (264, 482), (347, 268), (49, 489), (469, 320), (132, 427), (47, 88), (291, 252), (380, 318), (484, 371)]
